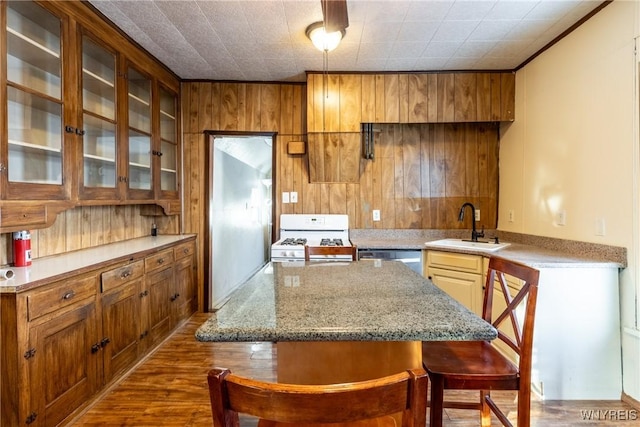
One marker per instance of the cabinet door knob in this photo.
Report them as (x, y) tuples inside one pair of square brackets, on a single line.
[(104, 342), (95, 348)]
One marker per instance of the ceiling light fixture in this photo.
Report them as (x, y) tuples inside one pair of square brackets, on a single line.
[(323, 41)]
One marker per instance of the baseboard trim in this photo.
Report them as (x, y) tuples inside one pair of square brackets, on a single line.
[(630, 400)]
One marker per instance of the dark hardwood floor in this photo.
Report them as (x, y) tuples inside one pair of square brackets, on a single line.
[(169, 388)]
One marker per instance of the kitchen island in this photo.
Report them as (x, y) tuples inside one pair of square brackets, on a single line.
[(337, 322)]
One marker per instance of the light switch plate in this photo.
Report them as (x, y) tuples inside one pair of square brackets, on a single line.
[(285, 197), (293, 197), (376, 215)]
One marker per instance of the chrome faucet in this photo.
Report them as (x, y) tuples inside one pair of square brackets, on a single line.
[(474, 233)]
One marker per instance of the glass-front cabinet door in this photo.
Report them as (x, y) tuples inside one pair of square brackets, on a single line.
[(33, 161), (100, 177), (140, 171), (168, 144)]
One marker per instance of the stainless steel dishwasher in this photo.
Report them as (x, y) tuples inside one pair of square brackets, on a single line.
[(410, 257)]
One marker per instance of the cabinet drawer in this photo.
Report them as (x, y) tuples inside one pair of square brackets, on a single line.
[(62, 294), (159, 260), (124, 274), (512, 282), (455, 261), (23, 216), (184, 250)]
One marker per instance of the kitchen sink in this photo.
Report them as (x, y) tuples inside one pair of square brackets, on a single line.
[(467, 244)]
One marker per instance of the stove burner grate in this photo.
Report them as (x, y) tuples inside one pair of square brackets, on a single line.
[(331, 242), (291, 241)]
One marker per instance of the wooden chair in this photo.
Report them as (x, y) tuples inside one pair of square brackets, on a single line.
[(405, 392), (479, 365), (331, 250)]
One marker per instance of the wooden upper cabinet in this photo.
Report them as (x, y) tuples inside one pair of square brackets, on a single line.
[(350, 102), (340, 102), (139, 135), (465, 97), (99, 173), (168, 155), (86, 117), (508, 97), (35, 154), (334, 157), (334, 103)]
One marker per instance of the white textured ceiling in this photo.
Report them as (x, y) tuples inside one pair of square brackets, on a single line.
[(265, 40)]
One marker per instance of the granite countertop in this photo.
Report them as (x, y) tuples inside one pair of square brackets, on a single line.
[(535, 251), (46, 269), (335, 301)]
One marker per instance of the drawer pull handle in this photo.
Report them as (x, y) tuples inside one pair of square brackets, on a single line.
[(125, 274), (161, 261), (31, 418), (68, 295), (186, 250)]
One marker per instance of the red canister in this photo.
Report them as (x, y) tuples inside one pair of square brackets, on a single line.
[(21, 248)]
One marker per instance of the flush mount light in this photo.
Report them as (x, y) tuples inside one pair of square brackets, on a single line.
[(323, 41)]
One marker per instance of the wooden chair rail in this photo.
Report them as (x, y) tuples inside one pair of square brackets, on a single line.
[(334, 403)]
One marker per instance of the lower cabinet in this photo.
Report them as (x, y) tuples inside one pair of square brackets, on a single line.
[(63, 363), (577, 314), (184, 298), (64, 341), (156, 305), (121, 295), (459, 275)]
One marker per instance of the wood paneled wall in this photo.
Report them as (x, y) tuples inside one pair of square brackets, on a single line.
[(421, 174), (89, 226)]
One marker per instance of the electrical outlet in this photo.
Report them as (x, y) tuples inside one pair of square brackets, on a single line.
[(477, 214), (285, 197), (512, 215), (293, 197), (376, 215), (561, 218)]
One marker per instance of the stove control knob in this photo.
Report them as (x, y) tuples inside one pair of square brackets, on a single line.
[(291, 253)]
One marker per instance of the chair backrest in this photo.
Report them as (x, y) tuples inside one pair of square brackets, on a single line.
[(405, 392), (330, 250), (519, 324)]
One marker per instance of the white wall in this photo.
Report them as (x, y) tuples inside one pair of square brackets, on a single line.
[(573, 148)]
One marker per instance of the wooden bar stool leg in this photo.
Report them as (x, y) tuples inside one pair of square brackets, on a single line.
[(485, 411), (437, 400), (524, 407)]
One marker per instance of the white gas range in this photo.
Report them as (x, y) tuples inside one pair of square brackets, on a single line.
[(298, 230)]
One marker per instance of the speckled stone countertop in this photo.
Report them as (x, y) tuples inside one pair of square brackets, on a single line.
[(335, 301), (536, 251), (45, 270)]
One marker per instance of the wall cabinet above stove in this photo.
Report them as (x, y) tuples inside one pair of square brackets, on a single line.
[(87, 117), (341, 102)]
